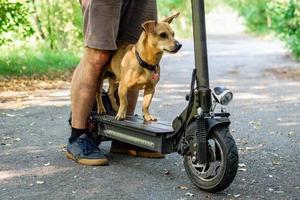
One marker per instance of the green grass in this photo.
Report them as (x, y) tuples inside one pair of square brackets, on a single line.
[(28, 61)]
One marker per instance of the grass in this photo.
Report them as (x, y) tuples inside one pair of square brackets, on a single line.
[(28, 61)]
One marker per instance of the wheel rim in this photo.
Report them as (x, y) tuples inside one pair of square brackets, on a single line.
[(211, 170)]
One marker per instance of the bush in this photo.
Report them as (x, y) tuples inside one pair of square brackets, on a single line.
[(254, 12), (279, 16), (284, 20)]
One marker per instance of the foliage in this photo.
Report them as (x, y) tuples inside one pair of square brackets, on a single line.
[(35, 60), (284, 17), (254, 12), (60, 23), (280, 16), (183, 24), (14, 21)]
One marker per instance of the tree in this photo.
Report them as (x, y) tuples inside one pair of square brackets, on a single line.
[(14, 21)]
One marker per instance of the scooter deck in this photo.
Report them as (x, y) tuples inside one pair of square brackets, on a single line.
[(136, 123), (134, 130)]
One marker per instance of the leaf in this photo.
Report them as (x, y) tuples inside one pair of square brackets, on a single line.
[(189, 194), (40, 182), (275, 162), (182, 187)]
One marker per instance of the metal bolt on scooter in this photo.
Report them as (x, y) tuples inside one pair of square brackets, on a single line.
[(199, 134)]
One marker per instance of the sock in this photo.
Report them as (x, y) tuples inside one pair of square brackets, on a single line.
[(76, 132)]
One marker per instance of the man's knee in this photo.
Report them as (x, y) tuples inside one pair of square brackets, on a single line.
[(97, 58)]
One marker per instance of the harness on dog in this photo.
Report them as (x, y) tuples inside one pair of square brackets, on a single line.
[(144, 64)]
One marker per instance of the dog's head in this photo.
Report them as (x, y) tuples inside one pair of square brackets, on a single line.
[(160, 34)]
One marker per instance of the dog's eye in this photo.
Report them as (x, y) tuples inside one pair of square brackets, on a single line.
[(163, 35)]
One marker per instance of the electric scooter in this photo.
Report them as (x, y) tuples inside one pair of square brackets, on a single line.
[(201, 135)]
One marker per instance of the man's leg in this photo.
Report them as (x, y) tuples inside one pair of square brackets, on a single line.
[(132, 97), (84, 85), (81, 146)]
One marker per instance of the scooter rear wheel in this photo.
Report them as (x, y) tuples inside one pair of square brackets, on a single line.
[(221, 168)]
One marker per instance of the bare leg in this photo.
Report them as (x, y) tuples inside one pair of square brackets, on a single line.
[(132, 96), (100, 106), (84, 85), (113, 86)]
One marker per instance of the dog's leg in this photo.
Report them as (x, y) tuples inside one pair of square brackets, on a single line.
[(100, 106), (113, 86), (148, 94), (123, 102)]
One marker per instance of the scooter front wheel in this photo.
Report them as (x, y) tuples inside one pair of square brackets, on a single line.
[(221, 168)]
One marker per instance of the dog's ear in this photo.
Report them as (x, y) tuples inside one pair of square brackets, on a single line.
[(170, 19), (149, 26)]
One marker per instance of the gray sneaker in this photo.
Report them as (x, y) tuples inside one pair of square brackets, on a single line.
[(84, 151)]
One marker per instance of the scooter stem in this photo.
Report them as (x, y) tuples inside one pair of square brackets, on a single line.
[(203, 94), (200, 46)]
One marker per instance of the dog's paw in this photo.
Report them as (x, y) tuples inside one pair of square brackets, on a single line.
[(150, 118), (101, 110), (120, 116)]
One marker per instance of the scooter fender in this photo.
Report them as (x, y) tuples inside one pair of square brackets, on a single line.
[(213, 122)]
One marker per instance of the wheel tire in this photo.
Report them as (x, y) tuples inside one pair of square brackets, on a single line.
[(230, 161)]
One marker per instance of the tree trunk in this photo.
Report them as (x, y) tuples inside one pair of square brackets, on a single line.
[(37, 21)]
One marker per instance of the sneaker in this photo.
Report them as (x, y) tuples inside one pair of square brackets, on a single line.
[(124, 148), (84, 151)]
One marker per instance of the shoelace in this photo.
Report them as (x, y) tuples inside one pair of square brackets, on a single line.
[(87, 145)]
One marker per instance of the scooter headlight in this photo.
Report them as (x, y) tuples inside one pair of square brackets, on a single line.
[(222, 95)]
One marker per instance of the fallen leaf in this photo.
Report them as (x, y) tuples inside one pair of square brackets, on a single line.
[(17, 139), (275, 162), (166, 172), (279, 192), (47, 164), (9, 115), (242, 165), (189, 194), (254, 147), (5, 137), (237, 195), (290, 133), (40, 182), (242, 169), (182, 187)]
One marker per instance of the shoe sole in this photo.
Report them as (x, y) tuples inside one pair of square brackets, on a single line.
[(90, 162), (135, 153)]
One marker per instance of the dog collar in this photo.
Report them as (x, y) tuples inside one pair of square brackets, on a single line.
[(144, 64)]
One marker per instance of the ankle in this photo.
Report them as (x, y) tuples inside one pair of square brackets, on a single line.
[(77, 132)]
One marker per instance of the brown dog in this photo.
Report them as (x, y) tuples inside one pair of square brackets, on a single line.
[(136, 66)]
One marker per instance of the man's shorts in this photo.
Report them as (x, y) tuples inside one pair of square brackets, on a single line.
[(107, 22)]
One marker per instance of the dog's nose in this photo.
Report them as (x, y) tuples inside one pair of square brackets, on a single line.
[(178, 45)]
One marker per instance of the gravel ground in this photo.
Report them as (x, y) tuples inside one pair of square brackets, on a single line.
[(265, 123)]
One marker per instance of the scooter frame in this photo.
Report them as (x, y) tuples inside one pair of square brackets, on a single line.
[(160, 136)]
